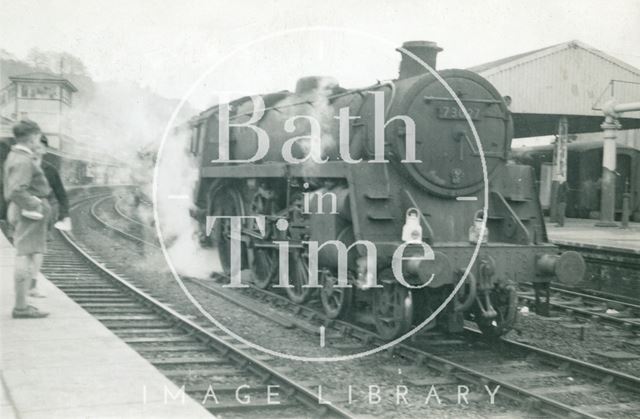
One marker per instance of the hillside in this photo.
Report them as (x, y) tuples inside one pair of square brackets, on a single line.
[(114, 116)]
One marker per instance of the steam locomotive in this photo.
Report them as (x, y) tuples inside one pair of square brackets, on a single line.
[(380, 189)]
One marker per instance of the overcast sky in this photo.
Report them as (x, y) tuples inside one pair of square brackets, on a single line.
[(167, 44)]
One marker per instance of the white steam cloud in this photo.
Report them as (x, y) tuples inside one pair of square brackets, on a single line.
[(177, 176)]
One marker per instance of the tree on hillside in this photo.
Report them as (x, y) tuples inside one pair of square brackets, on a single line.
[(38, 58), (56, 62), (72, 64), (6, 55)]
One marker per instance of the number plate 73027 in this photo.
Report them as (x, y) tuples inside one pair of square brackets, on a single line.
[(454, 112)]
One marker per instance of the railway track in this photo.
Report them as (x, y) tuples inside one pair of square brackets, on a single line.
[(191, 354), (518, 368), (117, 206), (549, 383), (599, 293), (128, 227), (591, 307), (607, 309)]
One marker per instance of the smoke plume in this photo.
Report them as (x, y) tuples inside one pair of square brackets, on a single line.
[(177, 176)]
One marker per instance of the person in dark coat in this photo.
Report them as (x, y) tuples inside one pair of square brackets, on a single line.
[(58, 198)]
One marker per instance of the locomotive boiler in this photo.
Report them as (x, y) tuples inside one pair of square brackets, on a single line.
[(392, 164)]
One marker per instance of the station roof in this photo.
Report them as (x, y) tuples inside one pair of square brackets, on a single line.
[(571, 79), (574, 146), (43, 77)]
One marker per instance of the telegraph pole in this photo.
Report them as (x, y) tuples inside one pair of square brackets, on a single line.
[(559, 171)]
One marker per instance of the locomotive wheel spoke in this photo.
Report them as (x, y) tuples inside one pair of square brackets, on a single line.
[(229, 204), (336, 301), (392, 308), (264, 264), (298, 277), (223, 240), (265, 267)]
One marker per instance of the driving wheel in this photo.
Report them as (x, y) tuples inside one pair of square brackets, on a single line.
[(299, 277), (227, 203), (264, 260), (335, 300), (392, 307)]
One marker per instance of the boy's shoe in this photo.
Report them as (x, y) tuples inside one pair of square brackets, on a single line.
[(64, 224), (36, 293), (30, 312), (32, 215)]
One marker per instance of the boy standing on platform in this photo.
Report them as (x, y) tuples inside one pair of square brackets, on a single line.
[(26, 190), (57, 200)]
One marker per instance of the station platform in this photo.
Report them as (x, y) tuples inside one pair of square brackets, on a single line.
[(69, 365), (584, 233)]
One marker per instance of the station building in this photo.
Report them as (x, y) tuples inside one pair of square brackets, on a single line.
[(557, 94), (47, 99), (571, 80), (44, 98)]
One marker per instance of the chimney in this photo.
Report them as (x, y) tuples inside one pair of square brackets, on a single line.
[(425, 50)]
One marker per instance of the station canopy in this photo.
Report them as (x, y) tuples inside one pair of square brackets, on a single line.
[(570, 79)]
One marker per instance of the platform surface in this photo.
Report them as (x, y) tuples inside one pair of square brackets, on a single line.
[(70, 366), (583, 232)]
